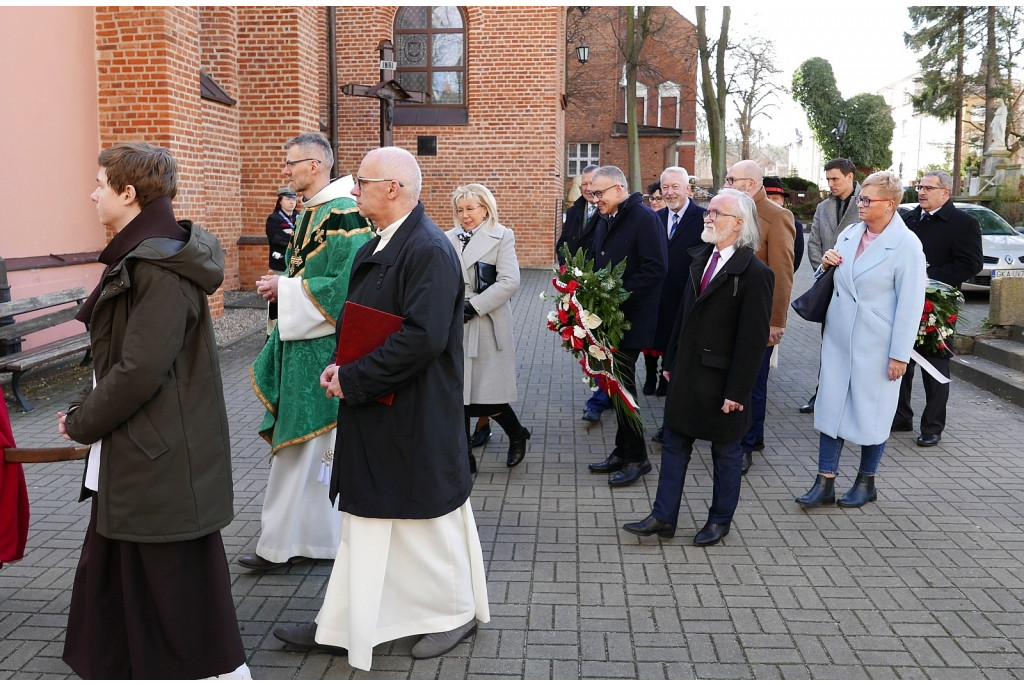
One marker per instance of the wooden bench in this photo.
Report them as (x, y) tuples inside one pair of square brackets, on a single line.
[(20, 362)]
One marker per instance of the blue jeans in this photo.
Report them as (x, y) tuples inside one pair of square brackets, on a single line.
[(727, 459), (599, 401), (830, 448)]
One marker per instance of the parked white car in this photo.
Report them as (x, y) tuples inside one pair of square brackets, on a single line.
[(1001, 245)]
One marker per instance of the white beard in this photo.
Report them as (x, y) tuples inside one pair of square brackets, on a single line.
[(710, 235)]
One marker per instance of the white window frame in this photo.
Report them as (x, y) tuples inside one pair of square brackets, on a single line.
[(573, 156)]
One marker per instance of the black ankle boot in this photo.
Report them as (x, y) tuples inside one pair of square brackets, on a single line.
[(862, 492), (651, 383), (517, 447), (822, 492)]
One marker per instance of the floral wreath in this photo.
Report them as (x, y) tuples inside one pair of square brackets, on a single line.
[(942, 303), (588, 318)]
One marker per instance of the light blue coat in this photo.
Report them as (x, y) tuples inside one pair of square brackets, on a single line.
[(874, 316)]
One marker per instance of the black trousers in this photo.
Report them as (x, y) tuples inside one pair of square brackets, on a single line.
[(936, 394)]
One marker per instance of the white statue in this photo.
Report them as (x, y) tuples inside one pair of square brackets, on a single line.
[(996, 140)]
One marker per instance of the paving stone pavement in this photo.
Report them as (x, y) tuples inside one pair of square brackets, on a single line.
[(926, 583)]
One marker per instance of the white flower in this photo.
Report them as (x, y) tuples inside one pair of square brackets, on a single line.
[(596, 352), (553, 317), (543, 295), (577, 273), (579, 332), (589, 319)]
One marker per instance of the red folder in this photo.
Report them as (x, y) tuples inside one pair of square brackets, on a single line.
[(364, 329)]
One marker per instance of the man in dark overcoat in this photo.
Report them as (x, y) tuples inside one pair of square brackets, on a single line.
[(683, 222), (951, 239), (577, 230), (715, 358), (629, 230), (410, 560)]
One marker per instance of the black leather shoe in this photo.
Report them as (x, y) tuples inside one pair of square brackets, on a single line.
[(808, 408), (748, 459), (822, 492), (591, 416), (629, 473), (862, 492), (480, 436), (711, 534), (929, 439), (659, 436), (303, 636), (609, 465), (650, 526), (901, 427), (651, 384), (517, 448), (662, 387), (258, 563)]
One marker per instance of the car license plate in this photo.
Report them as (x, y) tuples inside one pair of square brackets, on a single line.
[(1008, 273)]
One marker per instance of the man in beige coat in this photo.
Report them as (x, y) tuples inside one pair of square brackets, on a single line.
[(778, 235)]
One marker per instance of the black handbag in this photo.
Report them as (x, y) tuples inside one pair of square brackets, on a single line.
[(486, 275), (813, 304)]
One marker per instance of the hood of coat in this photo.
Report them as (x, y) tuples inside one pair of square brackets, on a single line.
[(200, 259)]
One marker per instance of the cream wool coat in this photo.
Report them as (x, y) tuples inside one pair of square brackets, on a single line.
[(488, 347)]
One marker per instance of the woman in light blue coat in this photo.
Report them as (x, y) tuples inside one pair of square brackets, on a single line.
[(870, 331)]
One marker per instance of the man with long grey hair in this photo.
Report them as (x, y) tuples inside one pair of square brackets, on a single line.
[(715, 348)]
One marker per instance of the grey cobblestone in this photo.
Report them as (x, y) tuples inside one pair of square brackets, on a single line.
[(928, 582)]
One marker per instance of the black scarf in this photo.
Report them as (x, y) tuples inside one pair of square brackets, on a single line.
[(156, 220)]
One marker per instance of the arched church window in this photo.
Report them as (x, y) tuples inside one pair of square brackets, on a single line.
[(430, 56)]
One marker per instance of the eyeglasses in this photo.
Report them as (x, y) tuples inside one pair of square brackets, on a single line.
[(361, 181), (292, 163), (929, 188), (714, 214), (597, 194), (866, 201), (729, 180)]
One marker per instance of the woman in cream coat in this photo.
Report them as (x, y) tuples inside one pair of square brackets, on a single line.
[(870, 330), (489, 353)]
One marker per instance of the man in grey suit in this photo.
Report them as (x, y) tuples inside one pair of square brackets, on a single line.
[(831, 216)]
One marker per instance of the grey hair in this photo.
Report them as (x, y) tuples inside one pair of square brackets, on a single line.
[(889, 185), (750, 232), (590, 167), (399, 164), (678, 170), (945, 180), (614, 174), (480, 193), (317, 142)]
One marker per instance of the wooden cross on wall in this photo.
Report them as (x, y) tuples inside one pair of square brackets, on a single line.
[(387, 91)]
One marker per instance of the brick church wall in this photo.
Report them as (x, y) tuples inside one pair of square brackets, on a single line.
[(273, 61), (514, 143)]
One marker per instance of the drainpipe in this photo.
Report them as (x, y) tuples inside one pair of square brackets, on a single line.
[(332, 82)]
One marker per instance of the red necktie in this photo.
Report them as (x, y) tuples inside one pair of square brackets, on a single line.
[(712, 263)]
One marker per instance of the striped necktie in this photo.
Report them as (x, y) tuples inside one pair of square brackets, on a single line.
[(675, 225)]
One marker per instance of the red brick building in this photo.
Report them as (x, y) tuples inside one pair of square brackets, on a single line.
[(224, 87), (666, 93)]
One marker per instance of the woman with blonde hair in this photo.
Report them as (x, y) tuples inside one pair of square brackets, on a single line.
[(490, 271), (870, 329)]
